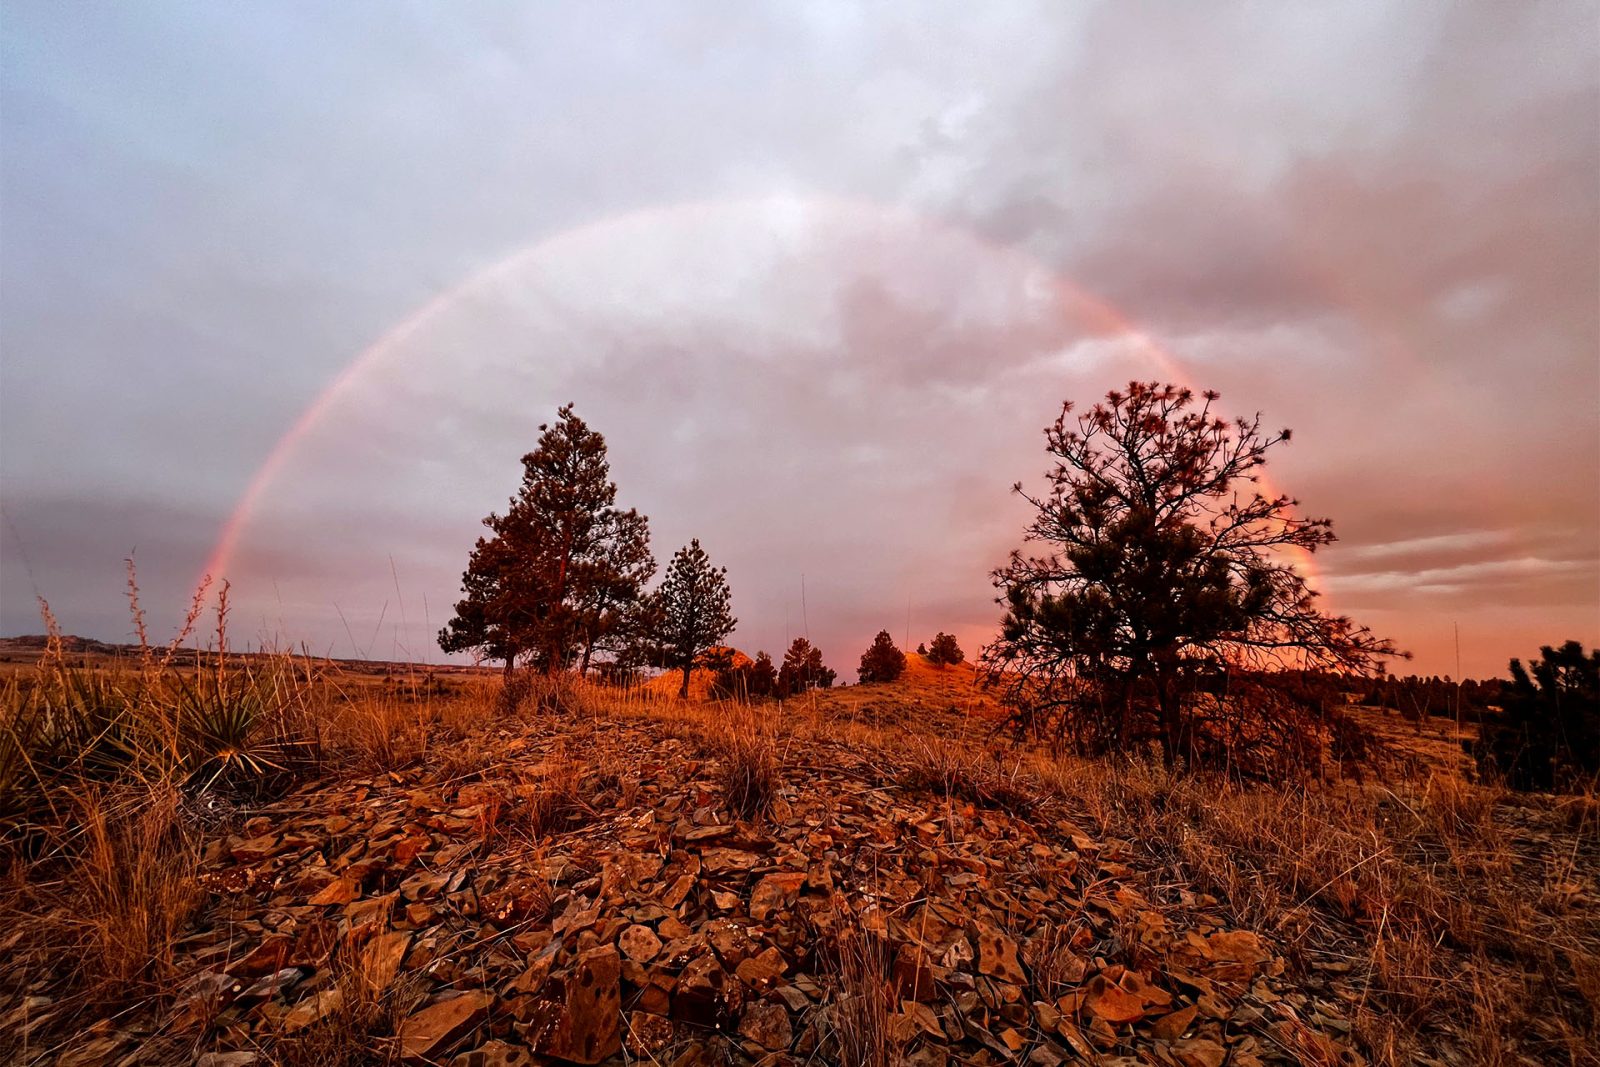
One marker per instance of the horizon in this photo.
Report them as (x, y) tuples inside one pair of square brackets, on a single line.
[(292, 289)]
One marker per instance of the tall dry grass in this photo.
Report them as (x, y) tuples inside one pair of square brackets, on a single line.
[(112, 775), (862, 1007), (745, 742), (1420, 878)]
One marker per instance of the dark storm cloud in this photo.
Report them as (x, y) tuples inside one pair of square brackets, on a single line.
[(1375, 223)]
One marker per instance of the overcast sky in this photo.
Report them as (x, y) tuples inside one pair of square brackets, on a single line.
[(819, 272)]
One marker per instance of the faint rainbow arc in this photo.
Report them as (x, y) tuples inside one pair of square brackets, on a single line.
[(1102, 315)]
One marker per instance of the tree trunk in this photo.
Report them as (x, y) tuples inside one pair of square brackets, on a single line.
[(1174, 738), (683, 692)]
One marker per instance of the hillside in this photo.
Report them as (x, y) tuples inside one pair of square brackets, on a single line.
[(869, 874)]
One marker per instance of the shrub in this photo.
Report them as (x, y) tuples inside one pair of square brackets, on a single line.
[(1548, 736), (882, 662), (944, 650)]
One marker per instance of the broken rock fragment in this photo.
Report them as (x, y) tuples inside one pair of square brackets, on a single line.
[(577, 1015), (767, 1024), (433, 1031)]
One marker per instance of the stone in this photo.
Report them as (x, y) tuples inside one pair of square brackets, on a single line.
[(721, 861), (924, 1018), (227, 1059), (775, 892), (1111, 1003), (729, 940), (382, 957), (495, 1053), (1199, 1052), (275, 984), (1171, 1026), (767, 1024), (707, 995), (957, 955), (912, 975), (1237, 946), (647, 1034), (339, 891), (639, 943), (428, 1034), (266, 957), (313, 1010), (761, 971), (409, 848), (577, 1015), (997, 956)]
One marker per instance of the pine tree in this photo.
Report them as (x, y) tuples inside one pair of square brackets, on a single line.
[(803, 669), (564, 566), (944, 650), (1547, 737), (693, 605), (485, 616), (739, 677), (882, 661), (1161, 577), (762, 680), (609, 614)]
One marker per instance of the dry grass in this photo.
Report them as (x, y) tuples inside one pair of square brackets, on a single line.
[(1465, 937), (1052, 960), (746, 744), (554, 798), (366, 1006), (104, 905), (862, 1007), (1420, 881), (133, 887), (960, 768)]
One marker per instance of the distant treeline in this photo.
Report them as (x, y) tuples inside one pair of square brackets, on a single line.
[(1416, 697)]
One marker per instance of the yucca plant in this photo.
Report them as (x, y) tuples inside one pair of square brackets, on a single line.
[(91, 728), (22, 733), (217, 719)]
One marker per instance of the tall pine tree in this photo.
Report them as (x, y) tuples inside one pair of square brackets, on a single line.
[(564, 565), (693, 604)]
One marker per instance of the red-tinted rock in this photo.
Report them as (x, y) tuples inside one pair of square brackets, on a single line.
[(576, 1016), (429, 1033)]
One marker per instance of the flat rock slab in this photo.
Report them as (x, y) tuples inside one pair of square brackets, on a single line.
[(433, 1031)]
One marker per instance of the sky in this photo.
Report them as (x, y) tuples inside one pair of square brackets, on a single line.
[(287, 289)]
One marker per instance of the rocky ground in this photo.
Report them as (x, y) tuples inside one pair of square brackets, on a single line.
[(586, 895), (872, 877)]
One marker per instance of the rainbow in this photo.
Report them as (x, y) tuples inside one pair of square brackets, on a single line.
[(1097, 314)]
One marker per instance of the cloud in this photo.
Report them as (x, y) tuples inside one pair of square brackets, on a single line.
[(1372, 223)]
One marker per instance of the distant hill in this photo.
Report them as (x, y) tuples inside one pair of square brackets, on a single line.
[(28, 647)]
